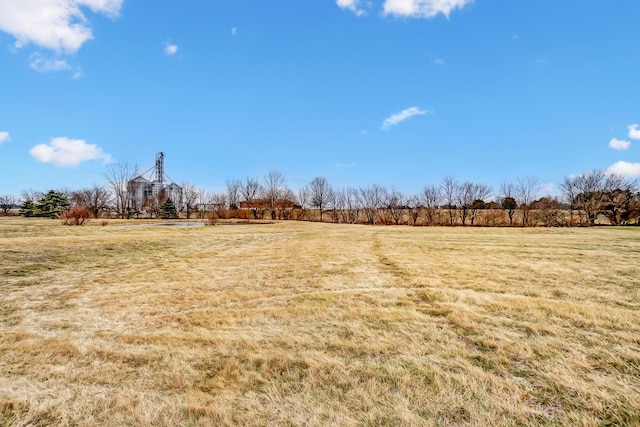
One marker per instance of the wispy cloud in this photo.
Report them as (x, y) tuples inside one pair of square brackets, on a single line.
[(438, 61), (619, 144), (65, 152), (4, 137), (170, 49), (234, 31), (352, 5), (422, 8), (44, 65), (346, 165), (58, 25), (400, 117), (631, 170), (634, 132)]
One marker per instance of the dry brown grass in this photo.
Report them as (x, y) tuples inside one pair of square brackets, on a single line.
[(318, 324)]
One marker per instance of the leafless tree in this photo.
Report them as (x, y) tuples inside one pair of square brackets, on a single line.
[(250, 189), (335, 205), (527, 189), (431, 199), (371, 200), (233, 192), (6, 203), (32, 195), (464, 199), (190, 195), (347, 200), (508, 199), (273, 189), (597, 192), (547, 212), (320, 192), (414, 208), (619, 198), (118, 175), (449, 190), (396, 205), (481, 193), (285, 211), (570, 192), (302, 199), (218, 202), (96, 199)]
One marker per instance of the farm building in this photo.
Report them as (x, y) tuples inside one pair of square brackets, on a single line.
[(151, 188)]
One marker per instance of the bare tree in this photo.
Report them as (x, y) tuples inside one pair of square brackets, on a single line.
[(273, 189), (508, 199), (95, 198), (618, 200), (335, 205), (302, 199), (596, 192), (347, 201), (203, 203), (6, 203), (527, 189), (233, 193), (371, 200), (414, 207), (570, 192), (250, 189), (190, 195), (480, 193), (449, 190), (118, 175), (320, 192), (32, 195), (219, 202), (396, 205), (464, 199), (431, 199)]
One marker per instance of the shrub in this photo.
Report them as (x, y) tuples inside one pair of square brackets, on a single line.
[(77, 215)]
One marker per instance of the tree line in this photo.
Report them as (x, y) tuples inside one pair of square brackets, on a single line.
[(590, 198)]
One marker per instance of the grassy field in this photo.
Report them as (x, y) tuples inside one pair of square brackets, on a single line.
[(318, 324)]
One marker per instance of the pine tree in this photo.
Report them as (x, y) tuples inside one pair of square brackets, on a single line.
[(168, 210), (28, 209), (52, 204)]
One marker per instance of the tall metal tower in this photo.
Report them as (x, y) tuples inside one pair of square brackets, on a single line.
[(160, 167)]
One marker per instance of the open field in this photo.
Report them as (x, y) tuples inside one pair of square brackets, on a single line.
[(318, 324)]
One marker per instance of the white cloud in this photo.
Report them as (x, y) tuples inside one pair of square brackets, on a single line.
[(402, 116), (58, 25), (43, 65), (631, 170), (634, 132), (68, 152), (234, 31), (619, 144), (4, 137), (422, 8), (352, 5), (170, 49), (346, 165), (438, 61)]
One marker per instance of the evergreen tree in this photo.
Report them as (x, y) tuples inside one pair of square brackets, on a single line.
[(28, 209), (52, 204), (168, 210)]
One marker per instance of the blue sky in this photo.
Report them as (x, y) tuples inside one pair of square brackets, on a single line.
[(395, 92)]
